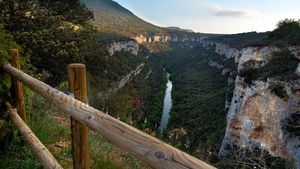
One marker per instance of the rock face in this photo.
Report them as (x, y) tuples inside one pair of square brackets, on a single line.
[(222, 49), (125, 80), (123, 46), (257, 116), (259, 55), (168, 38)]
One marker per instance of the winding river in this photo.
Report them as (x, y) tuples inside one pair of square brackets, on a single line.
[(167, 105)]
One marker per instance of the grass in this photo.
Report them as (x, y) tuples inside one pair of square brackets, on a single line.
[(52, 127)]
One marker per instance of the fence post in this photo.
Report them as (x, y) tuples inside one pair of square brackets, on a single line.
[(77, 86), (17, 86)]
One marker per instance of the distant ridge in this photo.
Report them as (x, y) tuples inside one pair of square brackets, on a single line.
[(111, 17), (173, 28)]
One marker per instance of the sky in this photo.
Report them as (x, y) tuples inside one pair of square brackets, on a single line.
[(215, 16)]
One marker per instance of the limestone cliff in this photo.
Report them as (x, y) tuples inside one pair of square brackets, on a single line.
[(222, 49), (169, 38), (257, 116), (123, 46)]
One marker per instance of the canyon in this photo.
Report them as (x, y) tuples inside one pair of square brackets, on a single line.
[(256, 115)]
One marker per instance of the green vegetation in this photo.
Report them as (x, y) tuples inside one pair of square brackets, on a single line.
[(292, 124), (6, 42), (54, 33), (52, 127), (254, 158), (198, 116), (286, 33), (51, 35), (110, 17), (279, 91), (281, 66), (240, 40)]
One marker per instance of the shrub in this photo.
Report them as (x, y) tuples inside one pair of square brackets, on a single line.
[(292, 124), (6, 43), (279, 90), (281, 66)]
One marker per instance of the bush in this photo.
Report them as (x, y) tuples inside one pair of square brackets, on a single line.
[(281, 66), (279, 90), (292, 124), (6, 43), (286, 33)]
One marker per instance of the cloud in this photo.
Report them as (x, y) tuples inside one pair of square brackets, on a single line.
[(223, 12)]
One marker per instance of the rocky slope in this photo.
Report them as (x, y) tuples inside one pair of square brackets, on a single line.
[(257, 115), (123, 46), (125, 80)]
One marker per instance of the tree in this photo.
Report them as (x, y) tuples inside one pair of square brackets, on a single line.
[(286, 33), (53, 32)]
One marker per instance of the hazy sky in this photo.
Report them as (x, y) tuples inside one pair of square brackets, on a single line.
[(215, 16)]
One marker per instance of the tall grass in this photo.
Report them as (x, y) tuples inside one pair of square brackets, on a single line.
[(41, 119)]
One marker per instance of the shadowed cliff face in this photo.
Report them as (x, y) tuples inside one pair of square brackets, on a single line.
[(257, 115)]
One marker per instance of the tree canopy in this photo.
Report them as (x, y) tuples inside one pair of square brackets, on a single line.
[(286, 33), (53, 32)]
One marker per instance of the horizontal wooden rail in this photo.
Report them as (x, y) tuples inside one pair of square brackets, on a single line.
[(145, 147), (44, 156)]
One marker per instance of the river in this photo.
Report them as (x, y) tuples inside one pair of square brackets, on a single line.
[(167, 105)]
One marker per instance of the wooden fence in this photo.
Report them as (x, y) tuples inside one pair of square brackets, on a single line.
[(154, 152)]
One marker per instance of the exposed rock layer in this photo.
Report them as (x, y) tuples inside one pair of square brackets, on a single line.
[(123, 46), (257, 116)]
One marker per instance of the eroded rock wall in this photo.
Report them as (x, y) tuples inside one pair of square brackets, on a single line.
[(123, 46), (257, 116), (168, 38)]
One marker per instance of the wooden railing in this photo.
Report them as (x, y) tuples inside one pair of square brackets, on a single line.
[(151, 150)]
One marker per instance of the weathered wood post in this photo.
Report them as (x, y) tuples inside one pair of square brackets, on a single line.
[(17, 86), (77, 86)]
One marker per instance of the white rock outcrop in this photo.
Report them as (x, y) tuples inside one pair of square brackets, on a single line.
[(222, 49), (168, 38), (123, 46), (257, 116)]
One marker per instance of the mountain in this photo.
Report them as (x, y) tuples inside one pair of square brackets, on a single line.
[(112, 17), (173, 28), (114, 22)]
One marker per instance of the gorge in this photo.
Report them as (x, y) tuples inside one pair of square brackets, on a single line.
[(231, 100)]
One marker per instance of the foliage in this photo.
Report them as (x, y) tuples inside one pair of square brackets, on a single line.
[(279, 90), (113, 18), (292, 124), (253, 158), (286, 33), (198, 96), (240, 40), (6, 42), (52, 127), (281, 66), (52, 35)]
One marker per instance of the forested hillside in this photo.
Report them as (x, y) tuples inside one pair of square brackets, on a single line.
[(110, 17), (127, 80), (52, 34)]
